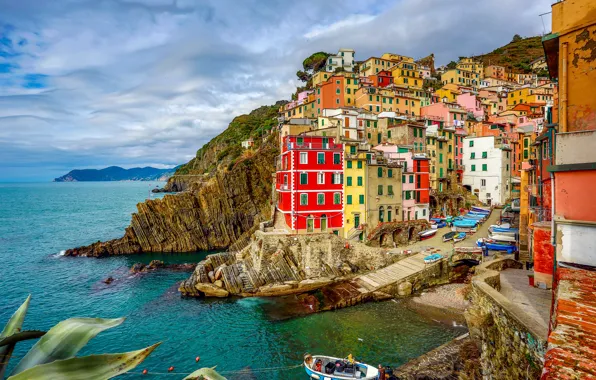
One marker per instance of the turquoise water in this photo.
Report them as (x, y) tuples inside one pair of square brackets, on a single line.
[(37, 221)]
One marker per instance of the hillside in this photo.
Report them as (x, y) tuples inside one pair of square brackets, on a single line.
[(224, 150), (116, 173), (516, 55)]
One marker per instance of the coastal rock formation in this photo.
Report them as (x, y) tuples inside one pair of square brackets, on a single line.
[(212, 215), (279, 264), (158, 264)]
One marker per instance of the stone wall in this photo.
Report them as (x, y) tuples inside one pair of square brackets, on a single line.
[(513, 347), (392, 234)]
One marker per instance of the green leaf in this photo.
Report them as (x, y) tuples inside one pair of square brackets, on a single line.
[(21, 336), (64, 341), (14, 325), (93, 367), (204, 373)]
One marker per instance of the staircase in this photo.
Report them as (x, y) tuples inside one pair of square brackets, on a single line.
[(354, 233)]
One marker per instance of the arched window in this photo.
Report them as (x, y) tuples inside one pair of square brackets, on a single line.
[(381, 214)]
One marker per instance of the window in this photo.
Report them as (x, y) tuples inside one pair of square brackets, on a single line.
[(320, 198), (407, 194), (336, 158), (360, 164), (379, 172), (349, 164), (320, 178), (388, 134), (304, 199), (484, 167), (304, 178), (415, 132), (411, 179), (403, 179), (482, 182), (349, 199), (389, 173), (423, 212), (380, 190), (303, 157), (507, 168), (473, 168), (472, 155), (349, 181), (336, 198), (440, 158), (361, 199), (471, 143), (320, 158), (484, 154)]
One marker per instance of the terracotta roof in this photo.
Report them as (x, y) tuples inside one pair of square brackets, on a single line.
[(571, 351)]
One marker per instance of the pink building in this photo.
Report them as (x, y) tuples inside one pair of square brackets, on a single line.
[(458, 156), (471, 103), (450, 114)]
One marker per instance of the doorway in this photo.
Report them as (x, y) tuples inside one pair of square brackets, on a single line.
[(310, 225), (323, 223), (356, 220)]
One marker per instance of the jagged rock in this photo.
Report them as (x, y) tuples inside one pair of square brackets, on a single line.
[(211, 276), (108, 280), (154, 264), (211, 290), (404, 289), (213, 214), (219, 283), (137, 268)]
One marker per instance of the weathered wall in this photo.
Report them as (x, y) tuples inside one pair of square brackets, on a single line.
[(512, 346), (543, 253), (391, 234)]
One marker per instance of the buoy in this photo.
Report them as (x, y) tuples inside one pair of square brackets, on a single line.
[(145, 372), (171, 369), (197, 359)]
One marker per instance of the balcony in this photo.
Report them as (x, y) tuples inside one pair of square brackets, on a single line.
[(284, 187)]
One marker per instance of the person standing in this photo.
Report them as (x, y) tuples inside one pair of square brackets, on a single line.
[(381, 372)]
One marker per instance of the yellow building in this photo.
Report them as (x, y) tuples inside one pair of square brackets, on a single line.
[(384, 189), (440, 147), (460, 77), (449, 91), (375, 64), (406, 73), (528, 95), (469, 64), (397, 57), (355, 173)]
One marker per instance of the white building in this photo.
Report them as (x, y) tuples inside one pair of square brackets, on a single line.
[(344, 60), (486, 169)]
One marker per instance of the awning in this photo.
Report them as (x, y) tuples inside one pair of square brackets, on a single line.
[(550, 43)]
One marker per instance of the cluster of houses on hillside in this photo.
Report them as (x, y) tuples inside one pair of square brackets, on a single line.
[(373, 142)]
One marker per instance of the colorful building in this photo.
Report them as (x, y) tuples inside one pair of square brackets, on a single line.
[(309, 184), (383, 190), (406, 73), (355, 169), (344, 61), (460, 77), (470, 64), (495, 71)]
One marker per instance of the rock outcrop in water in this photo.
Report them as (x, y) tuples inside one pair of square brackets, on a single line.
[(280, 264)]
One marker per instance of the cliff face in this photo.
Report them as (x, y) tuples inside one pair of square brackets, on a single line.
[(215, 212)]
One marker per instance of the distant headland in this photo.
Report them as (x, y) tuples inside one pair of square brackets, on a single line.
[(116, 173)]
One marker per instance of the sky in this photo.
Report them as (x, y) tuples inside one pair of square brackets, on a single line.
[(95, 83)]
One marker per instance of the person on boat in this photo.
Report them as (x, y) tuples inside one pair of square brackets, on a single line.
[(319, 366), (350, 359), (381, 372), (308, 360)]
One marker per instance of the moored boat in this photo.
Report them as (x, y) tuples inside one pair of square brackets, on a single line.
[(496, 246), (503, 238), (465, 223), (480, 209), (427, 234), (496, 229), (459, 237), (449, 236), (330, 368), (432, 258)]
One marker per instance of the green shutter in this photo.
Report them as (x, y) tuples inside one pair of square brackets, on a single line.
[(349, 199), (359, 164), (359, 181), (389, 173), (473, 168), (320, 199), (380, 172), (380, 189), (484, 167), (349, 181), (361, 199), (349, 164), (304, 199), (411, 179)]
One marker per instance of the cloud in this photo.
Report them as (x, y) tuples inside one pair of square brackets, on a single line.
[(136, 82)]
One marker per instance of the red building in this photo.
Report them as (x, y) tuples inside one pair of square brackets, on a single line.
[(382, 79), (422, 175), (458, 144), (309, 184)]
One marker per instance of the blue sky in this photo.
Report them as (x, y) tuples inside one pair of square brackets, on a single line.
[(94, 83)]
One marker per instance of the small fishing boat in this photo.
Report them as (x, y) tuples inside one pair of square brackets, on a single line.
[(477, 213), (449, 236), (459, 237), (494, 245), (503, 233), (427, 234), (481, 209), (499, 230), (466, 223), (432, 258), (503, 238), (473, 216), (329, 368)]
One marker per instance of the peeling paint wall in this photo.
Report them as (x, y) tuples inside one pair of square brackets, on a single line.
[(543, 252)]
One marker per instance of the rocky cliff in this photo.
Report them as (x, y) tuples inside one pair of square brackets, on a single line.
[(227, 195)]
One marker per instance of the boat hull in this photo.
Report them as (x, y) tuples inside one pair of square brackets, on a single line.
[(371, 372)]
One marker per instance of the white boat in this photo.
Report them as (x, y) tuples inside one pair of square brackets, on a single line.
[(503, 237), (331, 368), (427, 234)]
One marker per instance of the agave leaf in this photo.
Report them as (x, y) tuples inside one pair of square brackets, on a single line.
[(64, 341), (20, 336), (14, 325), (93, 367), (205, 373)]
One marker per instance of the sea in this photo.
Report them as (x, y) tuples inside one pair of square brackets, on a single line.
[(38, 221)]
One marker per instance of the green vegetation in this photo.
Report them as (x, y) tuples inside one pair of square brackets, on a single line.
[(311, 65), (54, 354), (516, 55), (225, 149)]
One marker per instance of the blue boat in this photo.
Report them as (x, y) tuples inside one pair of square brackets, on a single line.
[(465, 223), (499, 229), (473, 216), (484, 215), (330, 368), (459, 237), (494, 246), (481, 209), (432, 258)]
